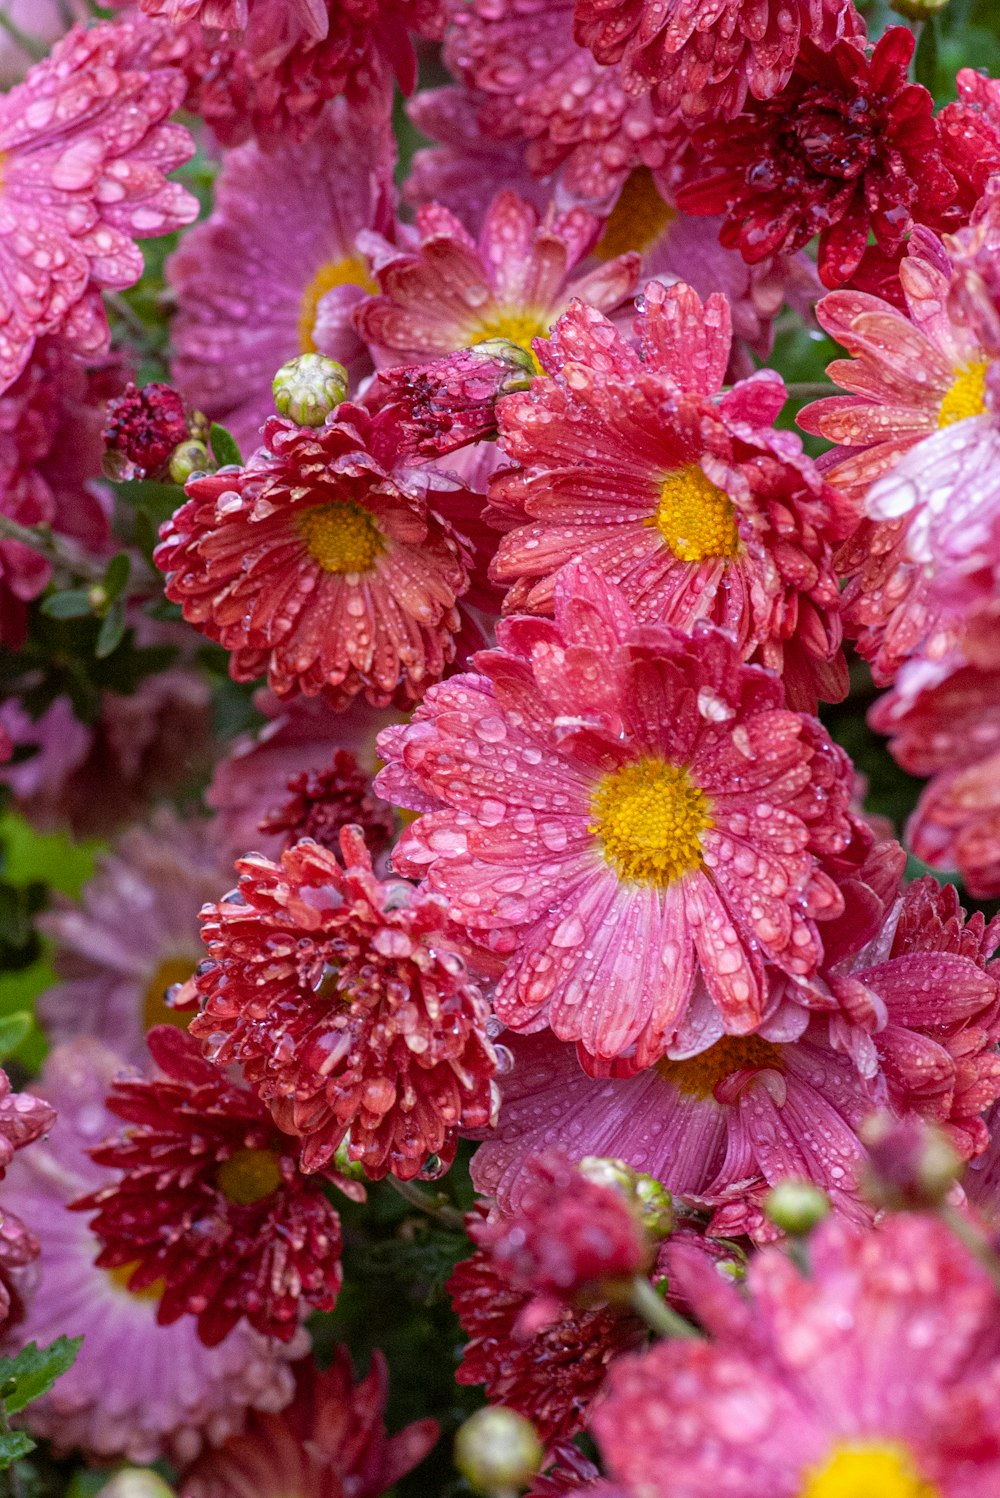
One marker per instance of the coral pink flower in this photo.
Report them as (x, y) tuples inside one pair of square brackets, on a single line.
[(970, 132), (819, 1385), (341, 997), (778, 185), (86, 141), (510, 283), (322, 563), (691, 504), (708, 61), (617, 810), (211, 1202), (280, 241), (330, 1440)]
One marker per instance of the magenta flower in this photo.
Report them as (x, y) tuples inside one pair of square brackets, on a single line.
[(86, 142), (621, 812)]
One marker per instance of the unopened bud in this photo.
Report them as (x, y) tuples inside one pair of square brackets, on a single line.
[(308, 388), (520, 361), (910, 1164), (497, 1450), (649, 1199), (344, 1165), (187, 459), (796, 1207), (136, 1482), (917, 10)]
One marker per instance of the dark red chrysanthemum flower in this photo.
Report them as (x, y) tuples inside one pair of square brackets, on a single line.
[(353, 1018), (848, 147), (211, 1201), (970, 133), (144, 426), (320, 803)]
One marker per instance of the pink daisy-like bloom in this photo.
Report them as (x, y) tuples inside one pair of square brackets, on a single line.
[(622, 812), (86, 141), (330, 1440), (131, 936), (137, 1389), (691, 504), (512, 282), (280, 240), (707, 61), (875, 1372), (343, 1000), (322, 562)]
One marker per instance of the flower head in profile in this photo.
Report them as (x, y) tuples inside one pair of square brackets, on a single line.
[(779, 175), (86, 141), (342, 998), (625, 814), (330, 1439), (323, 562), (835, 1394), (211, 1202), (692, 504)]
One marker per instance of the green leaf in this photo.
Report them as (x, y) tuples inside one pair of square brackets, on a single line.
[(74, 603), (34, 1370), (14, 1029), (14, 1444), (145, 534), (925, 64), (116, 576), (112, 631), (224, 446)]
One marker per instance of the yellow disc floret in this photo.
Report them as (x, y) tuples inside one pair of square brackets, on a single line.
[(966, 396), (341, 537), (649, 818), (867, 1470), (120, 1277), (516, 326), (154, 1008), (695, 518), (698, 1076), (351, 271), (248, 1176), (637, 219)]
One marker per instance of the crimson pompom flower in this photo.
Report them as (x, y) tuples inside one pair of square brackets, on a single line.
[(330, 1441), (630, 816), (144, 426), (86, 141), (323, 563), (692, 504), (829, 1385), (350, 1012), (211, 1201), (849, 147), (320, 803)]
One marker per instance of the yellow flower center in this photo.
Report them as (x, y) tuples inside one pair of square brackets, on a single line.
[(695, 518), (638, 218), (248, 1176), (698, 1076), (341, 537), (155, 1010), (867, 1471), (351, 271), (120, 1277), (518, 327), (649, 817), (966, 396)]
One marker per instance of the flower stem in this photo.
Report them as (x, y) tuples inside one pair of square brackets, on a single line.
[(973, 1239), (55, 549), (654, 1311), (805, 390), (436, 1207), (34, 46)]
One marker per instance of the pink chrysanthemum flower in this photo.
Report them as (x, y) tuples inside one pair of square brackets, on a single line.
[(210, 1202), (323, 563), (691, 504), (86, 141), (513, 282), (820, 1384), (131, 936), (708, 62), (280, 241), (23, 1119), (622, 812), (970, 133), (137, 1389), (330, 1440), (341, 997)]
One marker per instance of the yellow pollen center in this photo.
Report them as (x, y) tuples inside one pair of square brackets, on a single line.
[(638, 218), (698, 1076), (120, 1277), (695, 519), (351, 271), (341, 537), (867, 1471), (155, 1010), (248, 1176), (966, 396), (649, 817), (518, 327)]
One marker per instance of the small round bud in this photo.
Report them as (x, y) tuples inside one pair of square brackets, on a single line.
[(345, 1166), (520, 361), (651, 1201), (136, 1482), (97, 597), (308, 388), (497, 1450), (910, 1164), (190, 457), (917, 10), (796, 1207)]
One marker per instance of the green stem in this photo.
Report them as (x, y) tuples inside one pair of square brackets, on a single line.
[(654, 1311), (442, 1211), (55, 549), (805, 390), (33, 45)]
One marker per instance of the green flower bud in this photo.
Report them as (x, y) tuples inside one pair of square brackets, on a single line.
[(520, 361), (918, 10), (308, 388), (497, 1450), (136, 1482), (189, 458), (796, 1207), (651, 1201)]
